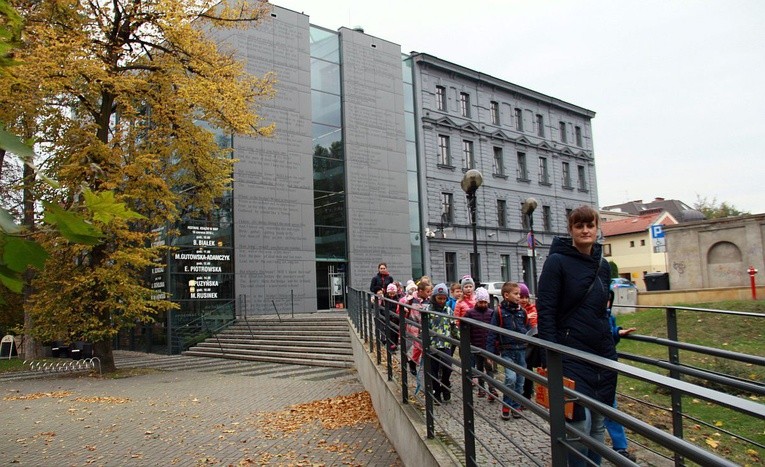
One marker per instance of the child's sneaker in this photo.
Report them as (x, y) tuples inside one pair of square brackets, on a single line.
[(505, 413), (516, 414), (627, 454), (481, 392), (492, 394)]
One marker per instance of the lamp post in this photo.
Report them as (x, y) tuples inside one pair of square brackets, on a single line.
[(471, 181), (528, 210)]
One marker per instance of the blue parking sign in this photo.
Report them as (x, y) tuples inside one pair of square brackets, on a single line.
[(657, 231)]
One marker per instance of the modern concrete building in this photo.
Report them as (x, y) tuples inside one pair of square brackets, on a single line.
[(365, 166)]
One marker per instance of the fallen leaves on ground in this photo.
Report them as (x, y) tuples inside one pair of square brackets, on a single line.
[(333, 413), (38, 395), (104, 400)]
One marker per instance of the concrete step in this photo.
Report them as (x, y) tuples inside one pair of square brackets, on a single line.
[(305, 328), (288, 337), (283, 341), (301, 349), (274, 357), (305, 340)]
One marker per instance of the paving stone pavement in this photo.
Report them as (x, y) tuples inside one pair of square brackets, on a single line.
[(514, 442), (196, 411)]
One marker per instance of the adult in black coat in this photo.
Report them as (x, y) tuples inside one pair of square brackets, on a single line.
[(571, 303), (381, 280)]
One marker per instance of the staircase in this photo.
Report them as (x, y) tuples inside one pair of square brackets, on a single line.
[(320, 339)]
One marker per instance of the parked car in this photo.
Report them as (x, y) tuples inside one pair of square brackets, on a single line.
[(619, 282), (495, 292)]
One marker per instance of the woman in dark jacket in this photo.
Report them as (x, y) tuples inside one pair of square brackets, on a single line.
[(571, 302)]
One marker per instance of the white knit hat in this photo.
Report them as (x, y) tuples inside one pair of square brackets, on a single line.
[(481, 295)]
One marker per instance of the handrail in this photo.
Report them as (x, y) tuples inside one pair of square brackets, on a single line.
[(747, 314), (368, 320), (277, 311)]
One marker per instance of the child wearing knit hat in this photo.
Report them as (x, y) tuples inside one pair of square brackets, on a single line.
[(467, 301), (481, 312), (440, 368)]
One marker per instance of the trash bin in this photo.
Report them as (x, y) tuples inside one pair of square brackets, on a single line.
[(656, 281)]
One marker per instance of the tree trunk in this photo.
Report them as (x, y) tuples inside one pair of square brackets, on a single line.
[(103, 350), (32, 348)]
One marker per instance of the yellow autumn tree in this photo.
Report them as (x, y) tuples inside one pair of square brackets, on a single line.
[(114, 93)]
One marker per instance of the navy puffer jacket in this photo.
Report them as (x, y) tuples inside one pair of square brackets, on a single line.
[(565, 278)]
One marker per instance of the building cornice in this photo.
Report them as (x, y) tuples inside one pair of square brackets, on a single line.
[(435, 62)]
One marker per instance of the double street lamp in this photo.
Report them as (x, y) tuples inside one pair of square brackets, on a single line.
[(471, 181)]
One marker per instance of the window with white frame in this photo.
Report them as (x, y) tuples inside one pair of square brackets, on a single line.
[(566, 169), (494, 110), (450, 266), (465, 104), (441, 98), (501, 213), (447, 208), (523, 173), (547, 218), (544, 171), (581, 177), (467, 154), (444, 155), (518, 113), (499, 161), (504, 267), (540, 126)]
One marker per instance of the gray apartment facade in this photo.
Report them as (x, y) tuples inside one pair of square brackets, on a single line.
[(365, 167), (524, 143)]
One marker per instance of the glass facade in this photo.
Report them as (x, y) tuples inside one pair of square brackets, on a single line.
[(198, 274), (330, 213), (418, 267)]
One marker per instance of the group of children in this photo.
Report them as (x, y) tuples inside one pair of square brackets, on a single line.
[(463, 299)]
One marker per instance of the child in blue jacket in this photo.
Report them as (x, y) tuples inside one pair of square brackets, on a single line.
[(511, 316), (616, 430)]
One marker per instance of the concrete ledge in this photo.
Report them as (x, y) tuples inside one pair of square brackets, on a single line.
[(403, 425), (674, 297)]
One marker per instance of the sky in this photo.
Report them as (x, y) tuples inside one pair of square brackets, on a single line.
[(677, 85)]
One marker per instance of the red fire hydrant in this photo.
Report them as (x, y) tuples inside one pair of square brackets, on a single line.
[(752, 272)]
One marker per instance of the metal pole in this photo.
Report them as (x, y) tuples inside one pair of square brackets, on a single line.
[(474, 264), (468, 417), (533, 257), (677, 396), (402, 312), (556, 397), (427, 363)]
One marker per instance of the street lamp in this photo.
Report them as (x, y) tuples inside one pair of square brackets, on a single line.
[(471, 181), (528, 210)]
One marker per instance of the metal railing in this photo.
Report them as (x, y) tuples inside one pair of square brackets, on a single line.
[(677, 370), (201, 327), (374, 324)]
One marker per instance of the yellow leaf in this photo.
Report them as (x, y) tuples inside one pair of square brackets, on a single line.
[(712, 443), (719, 423)]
